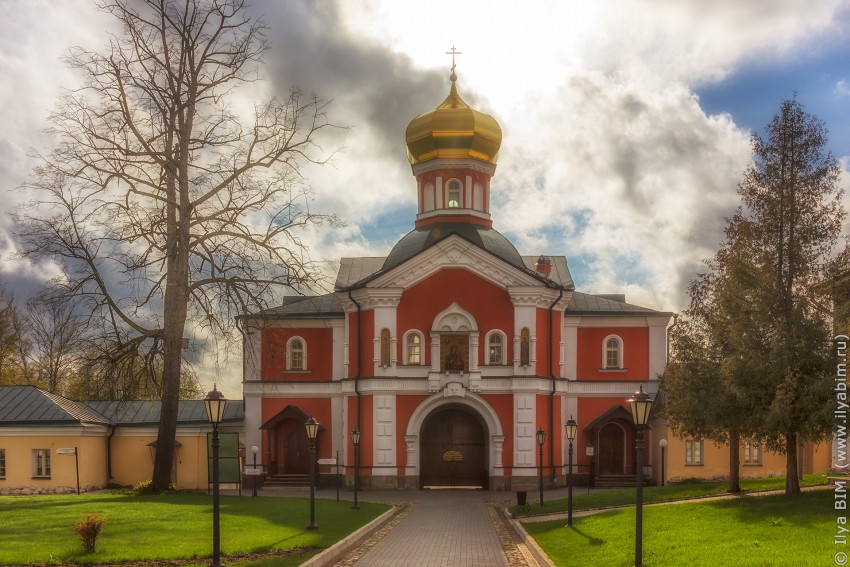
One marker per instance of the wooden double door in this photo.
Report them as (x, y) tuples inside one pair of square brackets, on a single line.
[(293, 450), (612, 449), (453, 450)]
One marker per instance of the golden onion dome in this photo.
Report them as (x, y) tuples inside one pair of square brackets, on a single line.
[(453, 130)]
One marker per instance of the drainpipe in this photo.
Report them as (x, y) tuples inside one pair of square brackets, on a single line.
[(109, 454), (359, 353), (552, 393)]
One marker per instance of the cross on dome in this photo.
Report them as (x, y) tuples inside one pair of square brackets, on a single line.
[(453, 52)]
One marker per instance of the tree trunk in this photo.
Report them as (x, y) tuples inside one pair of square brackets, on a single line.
[(175, 320), (734, 461), (792, 481)]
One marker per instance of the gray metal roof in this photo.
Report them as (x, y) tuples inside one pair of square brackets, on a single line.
[(585, 304), (560, 271), (356, 272), (352, 270), (27, 405), (422, 238), (146, 413), (30, 406), (295, 307)]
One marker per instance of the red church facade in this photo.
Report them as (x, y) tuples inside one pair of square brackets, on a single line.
[(449, 354)]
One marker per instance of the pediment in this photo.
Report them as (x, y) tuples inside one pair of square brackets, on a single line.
[(455, 252)]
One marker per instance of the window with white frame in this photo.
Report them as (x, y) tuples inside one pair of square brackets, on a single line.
[(2, 463), (694, 452), (495, 348), (612, 355), (413, 348), (454, 194), (296, 354), (752, 453), (41, 463)]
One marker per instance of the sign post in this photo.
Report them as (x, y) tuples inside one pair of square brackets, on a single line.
[(72, 451)]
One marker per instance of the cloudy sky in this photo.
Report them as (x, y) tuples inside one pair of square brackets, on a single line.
[(625, 122)]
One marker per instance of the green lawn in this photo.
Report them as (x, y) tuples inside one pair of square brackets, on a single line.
[(625, 496), (756, 531), (39, 529)]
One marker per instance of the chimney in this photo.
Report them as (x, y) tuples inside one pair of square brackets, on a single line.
[(544, 266)]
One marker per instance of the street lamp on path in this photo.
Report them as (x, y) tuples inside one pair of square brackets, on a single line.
[(355, 440), (214, 404), (255, 450), (312, 432), (572, 428), (541, 438), (663, 444), (640, 405)]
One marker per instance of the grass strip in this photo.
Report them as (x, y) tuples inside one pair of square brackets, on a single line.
[(756, 531), (39, 529)]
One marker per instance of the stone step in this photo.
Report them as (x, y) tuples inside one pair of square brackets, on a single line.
[(287, 480)]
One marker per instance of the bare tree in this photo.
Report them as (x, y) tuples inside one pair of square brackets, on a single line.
[(55, 333), (13, 345), (164, 205)]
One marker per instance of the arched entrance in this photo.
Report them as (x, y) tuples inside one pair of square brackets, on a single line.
[(454, 449), (612, 449)]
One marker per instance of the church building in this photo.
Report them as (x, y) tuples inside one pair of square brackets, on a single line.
[(454, 351)]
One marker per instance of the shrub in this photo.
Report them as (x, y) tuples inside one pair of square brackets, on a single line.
[(147, 487), (89, 530)]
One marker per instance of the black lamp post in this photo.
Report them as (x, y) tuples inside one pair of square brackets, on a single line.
[(312, 432), (214, 404), (640, 405), (255, 450), (355, 440), (541, 438), (663, 444), (572, 428)]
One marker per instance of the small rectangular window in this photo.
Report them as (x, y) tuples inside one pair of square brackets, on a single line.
[(2, 463), (496, 349), (41, 463), (752, 453), (693, 452), (414, 356)]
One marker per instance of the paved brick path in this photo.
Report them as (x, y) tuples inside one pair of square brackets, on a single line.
[(441, 529)]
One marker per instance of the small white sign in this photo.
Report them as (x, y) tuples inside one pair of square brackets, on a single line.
[(327, 461), (588, 450), (66, 451), (253, 472)]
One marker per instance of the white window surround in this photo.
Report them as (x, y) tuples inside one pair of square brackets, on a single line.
[(503, 345), (454, 193), (41, 463), (620, 349), (694, 452), (289, 354), (752, 453), (407, 345)]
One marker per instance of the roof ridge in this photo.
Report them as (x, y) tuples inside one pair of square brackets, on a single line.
[(74, 409)]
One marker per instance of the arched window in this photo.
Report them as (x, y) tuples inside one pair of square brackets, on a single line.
[(525, 347), (385, 347), (612, 355), (454, 194), (495, 348), (296, 354), (413, 348)]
